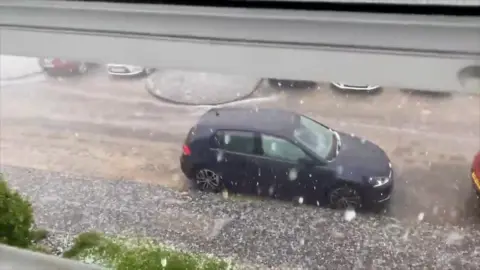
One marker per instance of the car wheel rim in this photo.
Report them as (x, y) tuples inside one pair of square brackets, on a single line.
[(345, 197), (207, 179)]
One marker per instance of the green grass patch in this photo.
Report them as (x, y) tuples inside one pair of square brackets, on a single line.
[(125, 254)]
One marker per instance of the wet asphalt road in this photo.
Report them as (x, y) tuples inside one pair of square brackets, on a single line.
[(93, 126)]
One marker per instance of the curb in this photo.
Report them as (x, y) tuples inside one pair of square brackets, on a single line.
[(22, 76), (150, 90)]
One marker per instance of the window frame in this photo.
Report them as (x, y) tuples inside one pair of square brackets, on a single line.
[(215, 144), (262, 154)]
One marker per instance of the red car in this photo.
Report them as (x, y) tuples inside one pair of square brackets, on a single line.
[(60, 66), (475, 173)]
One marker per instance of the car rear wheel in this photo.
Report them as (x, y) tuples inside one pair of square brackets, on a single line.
[(208, 180), (345, 196)]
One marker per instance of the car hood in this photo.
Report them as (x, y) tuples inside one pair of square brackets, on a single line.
[(359, 158)]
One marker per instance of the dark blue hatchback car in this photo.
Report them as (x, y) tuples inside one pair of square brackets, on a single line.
[(285, 155)]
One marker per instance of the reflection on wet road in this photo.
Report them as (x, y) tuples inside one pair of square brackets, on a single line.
[(115, 129)]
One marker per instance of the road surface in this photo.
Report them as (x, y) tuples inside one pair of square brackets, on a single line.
[(96, 128)]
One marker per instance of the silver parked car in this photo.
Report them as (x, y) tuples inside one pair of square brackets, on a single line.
[(350, 87), (127, 70)]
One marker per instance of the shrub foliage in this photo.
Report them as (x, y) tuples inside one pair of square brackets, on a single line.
[(16, 217)]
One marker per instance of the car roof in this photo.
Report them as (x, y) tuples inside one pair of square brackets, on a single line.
[(272, 121)]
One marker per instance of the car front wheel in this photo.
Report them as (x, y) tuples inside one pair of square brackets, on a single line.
[(345, 196)]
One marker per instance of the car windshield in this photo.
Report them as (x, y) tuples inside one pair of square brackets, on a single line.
[(315, 137)]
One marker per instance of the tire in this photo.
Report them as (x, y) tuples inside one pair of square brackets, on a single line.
[(344, 196), (208, 180)]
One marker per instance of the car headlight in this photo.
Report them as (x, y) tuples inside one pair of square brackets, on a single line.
[(377, 181)]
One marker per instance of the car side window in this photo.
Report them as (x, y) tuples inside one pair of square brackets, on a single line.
[(236, 141), (278, 148)]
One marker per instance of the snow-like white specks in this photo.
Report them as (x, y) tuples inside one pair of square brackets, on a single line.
[(318, 203), (349, 214), (337, 234), (238, 94), (339, 169), (163, 262), (227, 138), (302, 242), (426, 112), (271, 190), (421, 216), (259, 172), (300, 200), (76, 134), (454, 238), (292, 174), (301, 101), (220, 156), (406, 235), (176, 177), (310, 175), (363, 140), (352, 135), (225, 194), (273, 146)]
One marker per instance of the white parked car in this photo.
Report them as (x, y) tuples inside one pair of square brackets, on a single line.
[(344, 86), (127, 70)]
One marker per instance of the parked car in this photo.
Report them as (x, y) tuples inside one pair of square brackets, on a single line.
[(291, 84), (349, 87), (285, 155), (475, 173), (127, 70), (59, 66)]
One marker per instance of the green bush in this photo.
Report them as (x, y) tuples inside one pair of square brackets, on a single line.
[(136, 255), (16, 217)]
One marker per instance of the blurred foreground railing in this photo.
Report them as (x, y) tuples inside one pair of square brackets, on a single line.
[(397, 50), (19, 259)]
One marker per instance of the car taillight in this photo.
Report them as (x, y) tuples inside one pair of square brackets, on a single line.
[(186, 150)]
